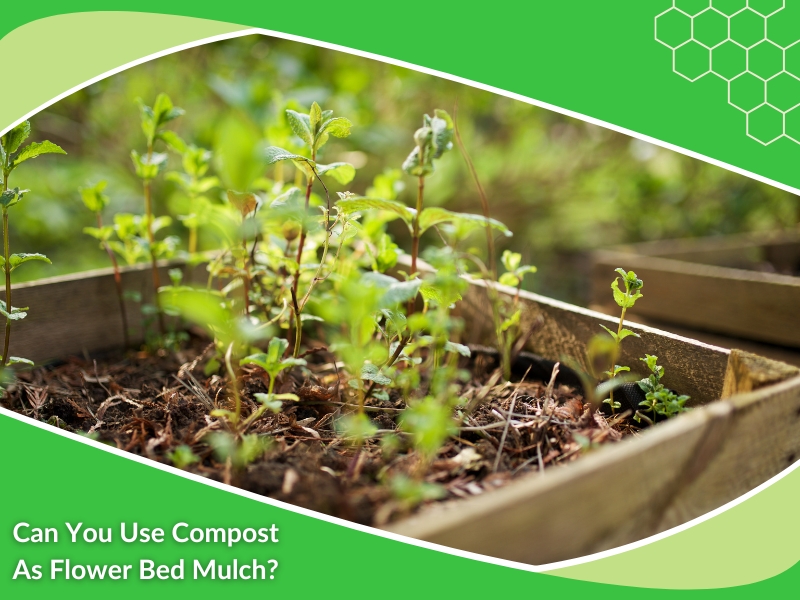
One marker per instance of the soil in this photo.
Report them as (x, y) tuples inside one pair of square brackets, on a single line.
[(149, 404)]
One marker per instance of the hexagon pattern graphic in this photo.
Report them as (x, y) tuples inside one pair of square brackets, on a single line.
[(730, 39)]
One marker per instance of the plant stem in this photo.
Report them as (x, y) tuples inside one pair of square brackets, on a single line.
[(246, 272), (234, 384), (616, 353), (481, 193), (148, 209), (415, 232), (7, 269), (298, 334), (118, 284)]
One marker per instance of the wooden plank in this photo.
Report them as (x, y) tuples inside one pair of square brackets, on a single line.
[(603, 500), (736, 302), (79, 313)]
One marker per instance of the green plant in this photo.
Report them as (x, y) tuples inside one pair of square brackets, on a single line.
[(12, 155), (624, 300), (195, 184), (148, 166), (658, 399), (314, 129), (96, 201)]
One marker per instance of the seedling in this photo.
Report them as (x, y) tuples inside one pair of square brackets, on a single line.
[(658, 399), (624, 300), (195, 183), (96, 201), (147, 167), (12, 155), (273, 363), (314, 129)]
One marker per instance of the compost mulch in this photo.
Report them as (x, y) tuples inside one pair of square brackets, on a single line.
[(148, 403)]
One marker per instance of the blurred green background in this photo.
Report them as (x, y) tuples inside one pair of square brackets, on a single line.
[(563, 186)]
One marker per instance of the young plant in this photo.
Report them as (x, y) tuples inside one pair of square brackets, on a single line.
[(658, 399), (96, 201), (12, 155), (314, 129), (624, 300), (507, 325), (148, 166), (273, 363), (195, 182), (433, 139)]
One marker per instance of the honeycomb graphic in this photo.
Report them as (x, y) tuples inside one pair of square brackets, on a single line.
[(745, 43)]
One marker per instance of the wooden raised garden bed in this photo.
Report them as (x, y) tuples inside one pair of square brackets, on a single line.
[(744, 430), (744, 286)]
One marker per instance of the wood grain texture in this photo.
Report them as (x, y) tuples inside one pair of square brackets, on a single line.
[(77, 314), (736, 302)]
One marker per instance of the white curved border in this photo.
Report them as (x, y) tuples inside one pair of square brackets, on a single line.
[(420, 69), (342, 522), (394, 536)]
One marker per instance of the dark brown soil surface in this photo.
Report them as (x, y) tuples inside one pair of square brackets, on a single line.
[(149, 404)]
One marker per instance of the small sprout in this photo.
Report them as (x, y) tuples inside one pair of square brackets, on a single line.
[(515, 271), (182, 456), (272, 361), (357, 427), (240, 452), (658, 399), (625, 300), (430, 422), (176, 277), (412, 492)]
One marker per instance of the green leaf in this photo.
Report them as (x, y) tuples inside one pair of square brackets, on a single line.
[(511, 260), (509, 279), (438, 295), (148, 168), (274, 402), (164, 111), (337, 127), (11, 197), (174, 141), (627, 333), (352, 205), (457, 348), (613, 334), (370, 372), (356, 426), (275, 154), (435, 215), (16, 314), (16, 260), (93, 197), (341, 171), (301, 126), (414, 167), (17, 360), (314, 117), (430, 423), (276, 349), (37, 149), (12, 140), (512, 321), (442, 126)]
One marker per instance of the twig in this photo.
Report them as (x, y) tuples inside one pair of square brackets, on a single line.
[(508, 422)]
